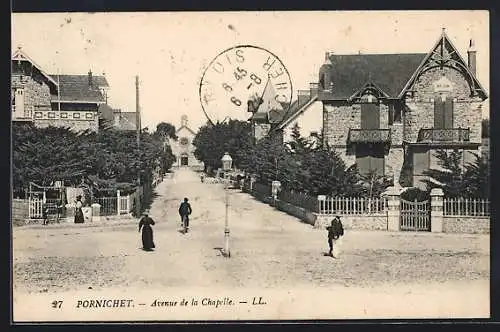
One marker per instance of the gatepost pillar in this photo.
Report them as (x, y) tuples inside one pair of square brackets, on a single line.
[(393, 208), (437, 213), (96, 212), (118, 202)]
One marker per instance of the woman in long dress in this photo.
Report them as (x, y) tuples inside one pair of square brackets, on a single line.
[(147, 231), (78, 210)]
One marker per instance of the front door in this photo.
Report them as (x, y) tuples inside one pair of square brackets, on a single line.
[(184, 160)]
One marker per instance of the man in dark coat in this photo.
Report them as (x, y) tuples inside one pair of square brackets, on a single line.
[(184, 211), (335, 231)]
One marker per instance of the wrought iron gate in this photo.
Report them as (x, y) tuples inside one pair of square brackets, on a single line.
[(415, 216)]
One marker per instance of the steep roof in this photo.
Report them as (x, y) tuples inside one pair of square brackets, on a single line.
[(77, 88), (389, 72), (444, 53), (19, 55), (187, 128), (296, 110), (106, 112)]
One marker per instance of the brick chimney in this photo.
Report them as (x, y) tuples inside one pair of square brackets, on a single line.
[(313, 88), (90, 78), (471, 52), (303, 97)]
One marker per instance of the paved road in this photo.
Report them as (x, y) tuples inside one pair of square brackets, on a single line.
[(270, 251)]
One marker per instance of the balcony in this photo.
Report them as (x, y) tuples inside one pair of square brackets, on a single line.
[(451, 135), (357, 136)]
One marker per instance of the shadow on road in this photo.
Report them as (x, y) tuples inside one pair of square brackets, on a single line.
[(220, 250)]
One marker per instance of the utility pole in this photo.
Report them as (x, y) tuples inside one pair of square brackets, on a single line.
[(138, 132), (137, 112)]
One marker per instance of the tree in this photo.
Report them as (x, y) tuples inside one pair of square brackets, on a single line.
[(450, 176), (373, 184), (106, 159), (477, 178), (298, 144), (268, 159), (213, 140), (325, 173), (165, 130)]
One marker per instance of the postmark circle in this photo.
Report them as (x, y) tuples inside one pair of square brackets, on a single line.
[(239, 74)]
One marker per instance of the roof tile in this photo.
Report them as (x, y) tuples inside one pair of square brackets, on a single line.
[(390, 72), (77, 88)]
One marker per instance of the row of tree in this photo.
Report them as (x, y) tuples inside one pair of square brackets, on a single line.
[(301, 165), (311, 167), (107, 160)]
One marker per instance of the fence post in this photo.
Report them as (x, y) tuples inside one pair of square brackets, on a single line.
[(321, 204), (118, 202), (393, 208), (437, 213)]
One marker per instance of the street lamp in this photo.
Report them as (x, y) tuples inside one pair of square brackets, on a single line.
[(227, 163)]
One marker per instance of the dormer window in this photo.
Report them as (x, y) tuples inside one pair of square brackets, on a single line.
[(368, 97)]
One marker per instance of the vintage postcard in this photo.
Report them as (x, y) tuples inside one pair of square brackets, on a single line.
[(200, 166)]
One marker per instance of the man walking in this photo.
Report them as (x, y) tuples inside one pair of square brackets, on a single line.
[(335, 232), (184, 211)]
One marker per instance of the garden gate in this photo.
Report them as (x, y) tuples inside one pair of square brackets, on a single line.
[(415, 216)]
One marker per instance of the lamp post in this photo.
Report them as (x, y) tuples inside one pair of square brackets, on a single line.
[(227, 162)]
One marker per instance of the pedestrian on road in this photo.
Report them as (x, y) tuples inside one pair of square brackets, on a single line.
[(184, 211), (335, 233), (78, 210), (147, 231)]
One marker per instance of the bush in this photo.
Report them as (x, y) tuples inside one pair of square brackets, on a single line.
[(415, 193)]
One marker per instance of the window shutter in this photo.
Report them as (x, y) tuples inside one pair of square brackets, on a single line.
[(421, 161), (370, 116), (390, 120), (448, 113), (362, 159), (377, 159), (438, 113)]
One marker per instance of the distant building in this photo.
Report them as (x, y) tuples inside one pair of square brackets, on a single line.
[(183, 148), (55, 100), (277, 120), (116, 118)]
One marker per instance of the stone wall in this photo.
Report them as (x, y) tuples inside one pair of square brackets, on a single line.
[(419, 112), (394, 163), (76, 125), (374, 222), (338, 120), (36, 92), (19, 211), (397, 134), (384, 116), (298, 212), (469, 225)]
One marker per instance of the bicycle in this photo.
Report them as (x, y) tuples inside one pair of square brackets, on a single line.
[(184, 224)]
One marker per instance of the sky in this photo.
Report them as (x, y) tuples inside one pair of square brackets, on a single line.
[(171, 50)]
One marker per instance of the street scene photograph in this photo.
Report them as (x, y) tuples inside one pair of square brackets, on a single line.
[(243, 166)]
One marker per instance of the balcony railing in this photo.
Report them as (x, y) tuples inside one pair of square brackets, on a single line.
[(444, 135), (369, 136)]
